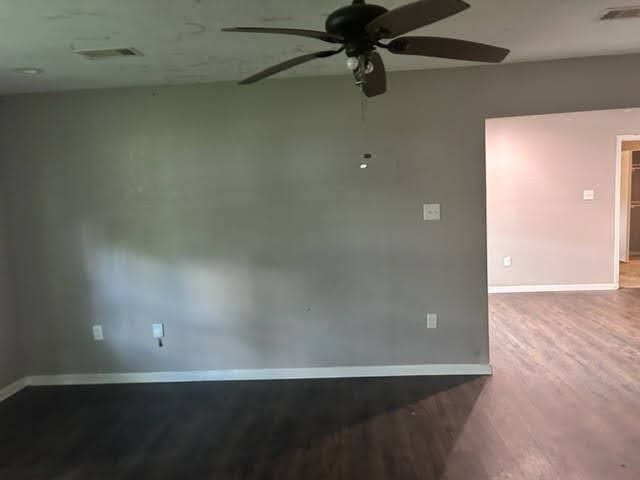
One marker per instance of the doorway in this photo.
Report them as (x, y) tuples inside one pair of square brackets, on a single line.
[(554, 204), (629, 217)]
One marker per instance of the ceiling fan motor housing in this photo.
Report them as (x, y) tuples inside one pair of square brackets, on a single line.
[(350, 23)]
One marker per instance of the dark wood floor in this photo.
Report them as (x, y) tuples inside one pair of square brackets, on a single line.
[(564, 404)]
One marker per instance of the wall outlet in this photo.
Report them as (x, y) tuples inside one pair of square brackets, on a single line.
[(431, 212), (432, 320), (506, 261), (97, 333), (588, 195), (158, 330)]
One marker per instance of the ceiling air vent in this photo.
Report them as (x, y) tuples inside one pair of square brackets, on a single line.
[(621, 13), (109, 53)]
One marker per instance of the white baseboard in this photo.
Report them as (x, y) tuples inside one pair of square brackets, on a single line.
[(12, 389), (261, 374), (586, 287)]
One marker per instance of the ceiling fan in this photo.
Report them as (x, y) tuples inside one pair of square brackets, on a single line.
[(359, 29)]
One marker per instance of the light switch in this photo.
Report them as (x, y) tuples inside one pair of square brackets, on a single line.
[(589, 195), (158, 330), (431, 212), (97, 333), (506, 261), (432, 320)]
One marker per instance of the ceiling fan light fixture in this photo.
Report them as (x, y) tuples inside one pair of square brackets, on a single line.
[(352, 63), (359, 28)]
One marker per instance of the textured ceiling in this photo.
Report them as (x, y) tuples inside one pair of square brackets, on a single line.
[(182, 42)]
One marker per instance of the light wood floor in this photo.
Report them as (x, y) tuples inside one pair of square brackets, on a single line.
[(630, 274), (563, 404), (567, 383)]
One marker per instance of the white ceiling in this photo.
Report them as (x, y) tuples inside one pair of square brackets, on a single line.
[(182, 42)]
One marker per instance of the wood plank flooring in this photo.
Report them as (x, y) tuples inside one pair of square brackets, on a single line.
[(563, 404), (630, 274)]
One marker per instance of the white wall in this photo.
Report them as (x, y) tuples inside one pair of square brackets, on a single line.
[(537, 170)]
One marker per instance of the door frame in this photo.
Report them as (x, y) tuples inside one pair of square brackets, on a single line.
[(618, 202)]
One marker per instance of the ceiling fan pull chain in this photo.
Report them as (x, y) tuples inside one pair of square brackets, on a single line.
[(363, 106), (363, 118), (362, 83)]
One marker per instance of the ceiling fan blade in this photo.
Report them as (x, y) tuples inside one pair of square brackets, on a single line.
[(376, 81), (288, 64), (447, 48), (327, 37), (414, 15)]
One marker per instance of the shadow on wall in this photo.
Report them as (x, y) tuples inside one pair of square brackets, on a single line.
[(218, 312), (370, 428)]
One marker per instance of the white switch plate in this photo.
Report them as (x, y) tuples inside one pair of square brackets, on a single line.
[(431, 212), (506, 261), (589, 195), (158, 330), (97, 333), (432, 320)]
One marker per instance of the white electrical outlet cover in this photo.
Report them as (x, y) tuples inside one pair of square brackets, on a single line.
[(432, 320), (506, 261), (158, 330), (588, 195), (97, 333), (431, 212)]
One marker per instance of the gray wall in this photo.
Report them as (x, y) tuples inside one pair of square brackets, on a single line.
[(240, 218), (11, 366)]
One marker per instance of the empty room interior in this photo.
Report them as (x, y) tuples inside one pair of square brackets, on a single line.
[(319, 240)]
